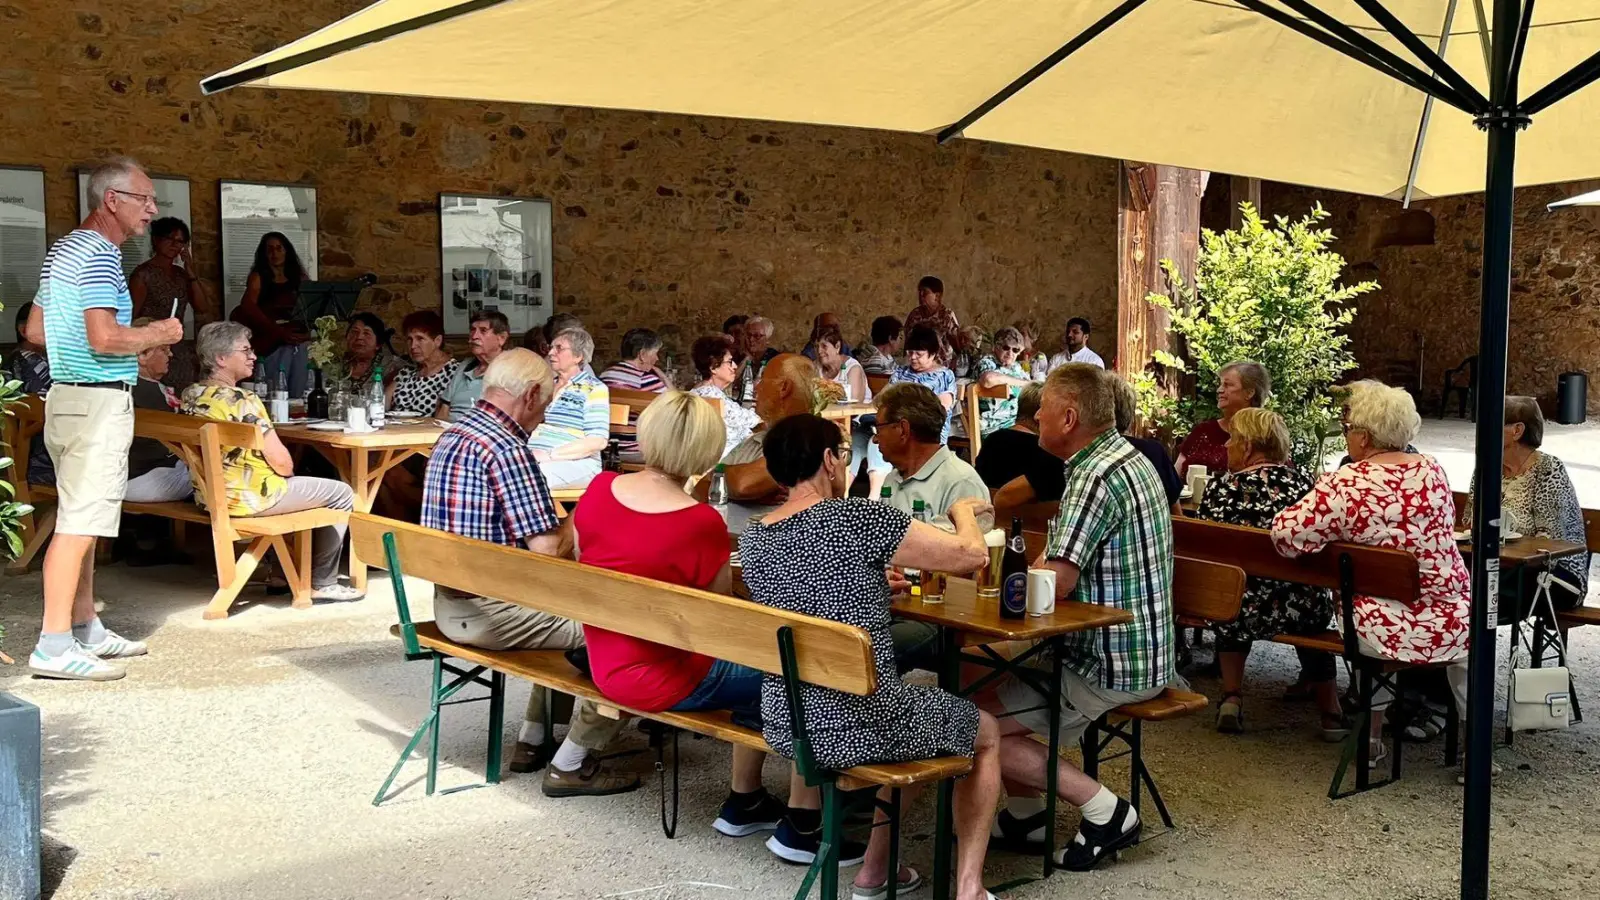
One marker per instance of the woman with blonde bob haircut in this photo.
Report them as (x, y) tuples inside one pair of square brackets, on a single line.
[(1259, 484), (645, 524), (1391, 497), (680, 435)]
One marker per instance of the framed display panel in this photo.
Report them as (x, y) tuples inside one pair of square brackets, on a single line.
[(250, 210), (22, 241), (172, 199), (495, 253)]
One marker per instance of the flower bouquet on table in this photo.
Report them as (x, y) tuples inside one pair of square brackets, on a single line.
[(324, 352), (828, 393)]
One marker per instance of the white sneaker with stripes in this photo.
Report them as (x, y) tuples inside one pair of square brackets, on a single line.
[(75, 664), (115, 646)]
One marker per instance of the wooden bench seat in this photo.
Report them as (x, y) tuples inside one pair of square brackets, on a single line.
[(551, 669), (799, 649), (1171, 704), (199, 444)]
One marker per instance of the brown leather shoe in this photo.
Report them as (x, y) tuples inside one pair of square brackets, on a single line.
[(527, 757), (590, 780)]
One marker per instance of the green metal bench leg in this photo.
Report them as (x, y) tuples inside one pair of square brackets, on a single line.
[(405, 754), (824, 870), (894, 844), (497, 726), (433, 738)]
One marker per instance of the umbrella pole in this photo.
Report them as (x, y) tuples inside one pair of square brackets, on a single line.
[(1502, 123)]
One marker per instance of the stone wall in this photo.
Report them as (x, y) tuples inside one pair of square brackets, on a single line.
[(664, 221), (1430, 293)]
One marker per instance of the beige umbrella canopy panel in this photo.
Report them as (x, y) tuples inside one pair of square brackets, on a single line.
[(920, 65)]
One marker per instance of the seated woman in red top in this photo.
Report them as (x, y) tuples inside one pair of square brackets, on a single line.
[(645, 524), (1241, 384)]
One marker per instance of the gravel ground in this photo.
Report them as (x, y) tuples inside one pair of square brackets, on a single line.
[(239, 761)]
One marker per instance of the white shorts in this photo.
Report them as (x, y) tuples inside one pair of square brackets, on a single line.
[(88, 431)]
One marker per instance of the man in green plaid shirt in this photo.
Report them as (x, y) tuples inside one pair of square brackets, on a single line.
[(1110, 544)]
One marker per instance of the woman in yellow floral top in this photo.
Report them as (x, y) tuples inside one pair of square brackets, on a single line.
[(262, 482)]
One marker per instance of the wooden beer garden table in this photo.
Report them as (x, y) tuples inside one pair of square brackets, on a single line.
[(363, 460), (966, 620)]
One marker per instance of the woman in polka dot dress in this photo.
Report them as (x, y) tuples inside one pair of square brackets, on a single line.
[(822, 554)]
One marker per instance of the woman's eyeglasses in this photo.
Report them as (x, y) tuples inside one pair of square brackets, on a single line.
[(843, 453)]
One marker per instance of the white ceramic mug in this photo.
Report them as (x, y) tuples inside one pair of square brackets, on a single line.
[(356, 417), (1041, 592)]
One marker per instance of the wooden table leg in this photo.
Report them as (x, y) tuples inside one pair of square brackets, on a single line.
[(364, 494)]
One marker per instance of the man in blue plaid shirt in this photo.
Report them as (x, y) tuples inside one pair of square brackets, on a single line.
[(1111, 544), (484, 484)]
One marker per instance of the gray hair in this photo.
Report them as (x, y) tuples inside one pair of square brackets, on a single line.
[(113, 174), (1126, 399), (760, 322), (217, 339), (915, 404), (1387, 414), (1006, 335), (1028, 402), (1253, 377), (1090, 390), (580, 342), (1525, 411), (514, 370)]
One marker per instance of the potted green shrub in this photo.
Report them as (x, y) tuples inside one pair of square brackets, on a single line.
[(1267, 291)]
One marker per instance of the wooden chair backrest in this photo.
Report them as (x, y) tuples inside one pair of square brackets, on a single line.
[(634, 401), (877, 383), (1201, 589), (830, 654), (1036, 517), (619, 414), (1591, 527), (1206, 590), (1378, 571)]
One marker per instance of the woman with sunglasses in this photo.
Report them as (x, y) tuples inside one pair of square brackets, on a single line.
[(1004, 367), (713, 359)]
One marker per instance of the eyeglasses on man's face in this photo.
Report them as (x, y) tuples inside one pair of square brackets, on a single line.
[(145, 199)]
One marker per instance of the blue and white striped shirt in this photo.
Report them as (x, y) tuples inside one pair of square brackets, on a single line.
[(83, 271)]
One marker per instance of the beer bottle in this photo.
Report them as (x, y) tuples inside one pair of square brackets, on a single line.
[(919, 512), (1014, 576)]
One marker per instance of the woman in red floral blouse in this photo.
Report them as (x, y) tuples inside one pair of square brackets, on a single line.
[(1391, 498)]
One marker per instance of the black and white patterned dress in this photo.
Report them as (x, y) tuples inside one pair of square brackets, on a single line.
[(828, 561), (1252, 498), (420, 393)]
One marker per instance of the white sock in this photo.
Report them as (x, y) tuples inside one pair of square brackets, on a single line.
[(569, 757), (531, 733), (1101, 807), (1023, 807)]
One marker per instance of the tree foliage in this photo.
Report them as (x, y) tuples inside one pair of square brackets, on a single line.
[(1269, 292)]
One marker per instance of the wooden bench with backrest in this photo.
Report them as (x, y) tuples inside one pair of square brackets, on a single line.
[(967, 397), (1346, 569), (1202, 591), (799, 649), (199, 443)]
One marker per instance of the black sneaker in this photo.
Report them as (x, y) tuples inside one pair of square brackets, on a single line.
[(1093, 843), (792, 845), (1025, 836), (742, 816)]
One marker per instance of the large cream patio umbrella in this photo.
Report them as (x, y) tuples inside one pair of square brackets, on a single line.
[(1373, 97)]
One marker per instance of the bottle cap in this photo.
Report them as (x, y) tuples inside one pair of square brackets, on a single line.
[(995, 538)]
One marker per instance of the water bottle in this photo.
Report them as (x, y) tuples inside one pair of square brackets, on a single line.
[(884, 493), (919, 512), (375, 410), (258, 381), (280, 398), (717, 496)]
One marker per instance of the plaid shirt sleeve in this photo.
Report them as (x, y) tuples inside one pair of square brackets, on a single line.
[(519, 486), (1083, 523)]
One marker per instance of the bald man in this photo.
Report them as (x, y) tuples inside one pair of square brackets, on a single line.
[(788, 387)]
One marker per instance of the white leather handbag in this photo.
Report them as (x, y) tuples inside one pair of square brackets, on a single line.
[(1540, 699)]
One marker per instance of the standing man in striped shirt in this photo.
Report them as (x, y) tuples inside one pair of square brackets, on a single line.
[(82, 315)]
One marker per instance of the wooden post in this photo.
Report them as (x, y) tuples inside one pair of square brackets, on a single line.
[(1241, 190), (1158, 217)]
